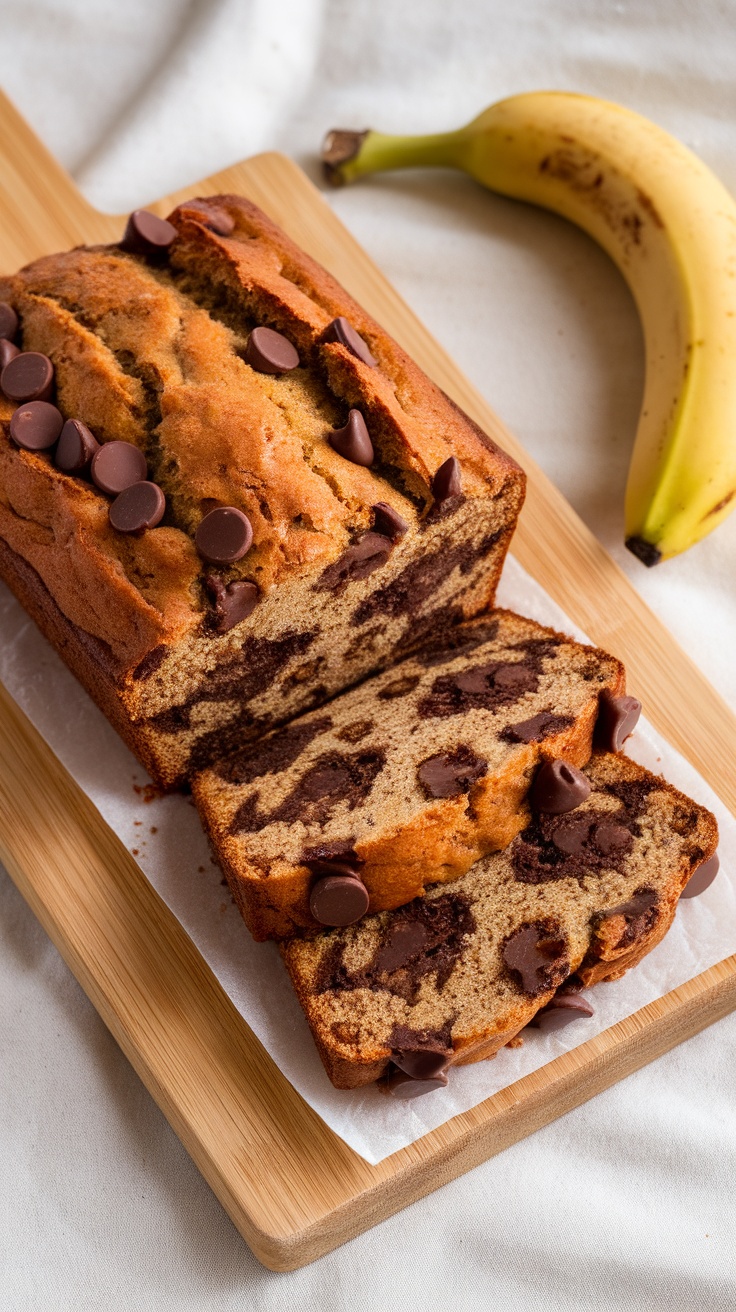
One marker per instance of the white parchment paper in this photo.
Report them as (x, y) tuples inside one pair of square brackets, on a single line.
[(165, 836)]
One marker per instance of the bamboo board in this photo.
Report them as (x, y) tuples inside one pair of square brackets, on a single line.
[(221, 1092)]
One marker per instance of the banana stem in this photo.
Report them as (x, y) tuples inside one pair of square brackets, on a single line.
[(350, 155)]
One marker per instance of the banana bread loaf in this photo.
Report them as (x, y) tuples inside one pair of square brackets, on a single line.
[(281, 502), (453, 976), (403, 781)]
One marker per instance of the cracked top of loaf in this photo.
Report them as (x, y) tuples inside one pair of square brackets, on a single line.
[(152, 353)]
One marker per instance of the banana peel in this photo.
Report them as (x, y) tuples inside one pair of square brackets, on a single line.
[(670, 226)]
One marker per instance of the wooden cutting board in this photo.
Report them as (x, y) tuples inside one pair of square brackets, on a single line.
[(293, 1189)]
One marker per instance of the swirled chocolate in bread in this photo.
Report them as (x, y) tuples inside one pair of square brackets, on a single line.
[(312, 504), (453, 976), (405, 780)]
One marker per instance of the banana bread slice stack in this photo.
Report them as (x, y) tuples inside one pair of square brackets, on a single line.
[(404, 781), (451, 977)]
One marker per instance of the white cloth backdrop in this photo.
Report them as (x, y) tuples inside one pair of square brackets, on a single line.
[(627, 1202)]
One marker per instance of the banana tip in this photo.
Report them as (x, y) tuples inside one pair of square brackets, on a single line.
[(646, 552), (339, 146)]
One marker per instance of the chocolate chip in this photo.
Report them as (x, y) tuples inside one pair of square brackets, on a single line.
[(8, 321), (702, 878), (147, 234), (221, 222), (543, 725), (325, 866), (495, 682), (611, 839), (342, 331), (558, 787), (451, 773), (232, 602), (117, 465), (572, 837), (514, 677), (138, 507), (636, 905), (422, 1063), (339, 851), (8, 352), (447, 482), (637, 913), (270, 352), (224, 535), (214, 218), (388, 521), (560, 1011), (77, 446), (617, 718), (36, 426), (353, 441), (339, 900), (536, 958), (357, 562), (29, 376), (403, 1086), (405, 940), (478, 679)]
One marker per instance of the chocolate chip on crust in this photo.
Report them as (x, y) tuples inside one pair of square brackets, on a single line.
[(224, 535), (269, 352), (353, 442), (342, 331), (117, 465), (77, 446), (8, 352), (617, 718), (147, 234), (137, 508), (36, 425), (447, 482), (8, 321), (29, 376), (213, 216)]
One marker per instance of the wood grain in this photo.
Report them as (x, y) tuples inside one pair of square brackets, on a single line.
[(221, 1092)]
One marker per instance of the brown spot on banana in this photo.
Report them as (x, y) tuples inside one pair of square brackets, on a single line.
[(721, 505)]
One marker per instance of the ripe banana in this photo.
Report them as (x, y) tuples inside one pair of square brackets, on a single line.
[(670, 226)]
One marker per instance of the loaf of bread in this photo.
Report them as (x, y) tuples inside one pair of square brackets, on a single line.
[(453, 976), (294, 504), (404, 781)]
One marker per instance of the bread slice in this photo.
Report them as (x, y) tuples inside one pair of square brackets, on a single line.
[(350, 563), (455, 975), (406, 780)]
